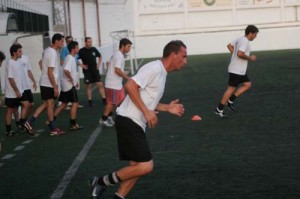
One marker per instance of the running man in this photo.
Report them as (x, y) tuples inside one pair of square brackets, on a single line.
[(114, 82), (237, 69), (138, 110)]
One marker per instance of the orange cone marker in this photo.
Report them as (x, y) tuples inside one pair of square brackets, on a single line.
[(196, 118)]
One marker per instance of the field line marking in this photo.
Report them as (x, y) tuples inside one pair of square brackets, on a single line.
[(63, 184)]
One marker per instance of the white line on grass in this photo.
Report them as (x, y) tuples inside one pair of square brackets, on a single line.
[(19, 148), (63, 184), (8, 156)]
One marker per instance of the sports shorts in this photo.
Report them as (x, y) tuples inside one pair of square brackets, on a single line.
[(114, 96), (27, 96), (68, 96), (132, 141), (91, 76), (235, 80)]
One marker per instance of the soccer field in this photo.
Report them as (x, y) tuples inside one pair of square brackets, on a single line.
[(253, 154)]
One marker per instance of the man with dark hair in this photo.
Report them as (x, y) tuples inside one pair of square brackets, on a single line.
[(237, 69), (90, 66), (138, 110), (69, 83), (2, 57), (14, 92), (114, 82), (49, 84), (65, 51)]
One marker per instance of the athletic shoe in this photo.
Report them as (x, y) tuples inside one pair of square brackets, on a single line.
[(96, 189), (230, 106), (21, 127), (75, 127), (220, 113), (111, 120), (57, 131), (29, 128), (10, 133), (106, 123)]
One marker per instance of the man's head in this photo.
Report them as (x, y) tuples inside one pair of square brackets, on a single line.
[(69, 39), (16, 51), (58, 40), (73, 47), (88, 42), (175, 53), (251, 32), (2, 57), (125, 45)]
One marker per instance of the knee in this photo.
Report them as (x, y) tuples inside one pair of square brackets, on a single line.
[(146, 168), (247, 85)]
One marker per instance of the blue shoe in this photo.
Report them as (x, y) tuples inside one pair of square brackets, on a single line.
[(97, 190)]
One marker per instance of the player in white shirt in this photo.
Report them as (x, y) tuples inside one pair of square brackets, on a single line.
[(49, 84), (14, 92), (137, 111), (69, 82), (239, 81), (114, 91)]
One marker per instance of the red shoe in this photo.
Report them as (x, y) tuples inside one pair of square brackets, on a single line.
[(57, 131)]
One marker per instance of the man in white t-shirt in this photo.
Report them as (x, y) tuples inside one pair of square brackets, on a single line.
[(239, 81), (69, 82), (114, 91), (137, 111), (27, 78), (49, 84), (14, 92)]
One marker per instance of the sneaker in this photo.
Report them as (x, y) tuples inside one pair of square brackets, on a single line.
[(75, 127), (220, 113), (230, 106), (111, 120), (96, 189), (21, 127), (10, 133), (29, 128), (57, 131), (106, 123)]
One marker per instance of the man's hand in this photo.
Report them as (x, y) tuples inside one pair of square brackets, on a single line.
[(56, 91), (176, 108), (253, 58), (151, 118)]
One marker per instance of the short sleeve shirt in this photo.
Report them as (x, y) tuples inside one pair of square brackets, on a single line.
[(89, 57), (26, 66), (238, 65), (50, 59), (152, 79), (113, 80), (14, 71), (69, 65)]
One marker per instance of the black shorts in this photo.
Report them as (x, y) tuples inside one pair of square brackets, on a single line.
[(91, 76), (47, 93), (132, 141), (12, 102), (27, 96), (235, 79), (68, 96)]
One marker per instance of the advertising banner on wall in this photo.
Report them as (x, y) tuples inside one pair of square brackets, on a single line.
[(208, 3), (161, 5), (256, 2)]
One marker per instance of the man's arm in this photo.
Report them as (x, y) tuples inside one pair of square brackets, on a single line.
[(52, 80), (230, 48), (242, 55), (69, 76), (174, 107), (133, 91), (99, 62), (14, 86), (32, 79), (119, 72)]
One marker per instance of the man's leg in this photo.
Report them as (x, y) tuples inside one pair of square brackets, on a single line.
[(242, 89), (107, 113), (8, 119), (227, 94), (89, 93), (101, 91), (59, 109)]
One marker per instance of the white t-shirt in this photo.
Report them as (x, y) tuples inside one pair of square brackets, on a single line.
[(113, 80), (238, 65), (151, 78), (13, 70), (26, 66), (70, 65), (50, 59)]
